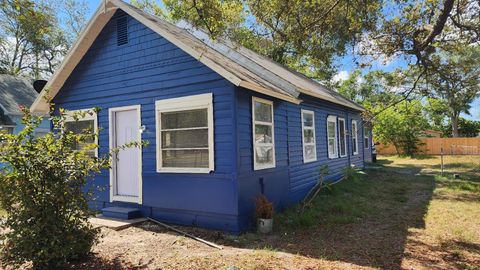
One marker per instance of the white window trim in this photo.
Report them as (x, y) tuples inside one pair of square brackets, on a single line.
[(69, 117), (305, 160), (344, 137), (202, 101), (355, 135), (366, 136), (332, 119), (272, 124), (111, 119)]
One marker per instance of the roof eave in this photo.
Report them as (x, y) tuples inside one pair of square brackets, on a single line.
[(75, 54)]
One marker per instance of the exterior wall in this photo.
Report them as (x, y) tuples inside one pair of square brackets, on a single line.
[(291, 179), (147, 69), (43, 127)]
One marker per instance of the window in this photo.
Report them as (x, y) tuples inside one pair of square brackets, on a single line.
[(354, 137), (263, 134), (6, 130), (332, 136), (41, 132), (308, 136), (81, 121), (185, 134), (343, 137), (366, 136)]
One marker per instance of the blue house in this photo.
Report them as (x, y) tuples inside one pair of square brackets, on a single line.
[(224, 123), (16, 92)]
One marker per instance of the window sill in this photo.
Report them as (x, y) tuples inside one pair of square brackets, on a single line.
[(263, 168), (185, 170)]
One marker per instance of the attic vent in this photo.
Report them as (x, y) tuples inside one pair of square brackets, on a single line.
[(122, 31)]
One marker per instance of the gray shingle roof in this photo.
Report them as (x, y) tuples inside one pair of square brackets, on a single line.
[(15, 92)]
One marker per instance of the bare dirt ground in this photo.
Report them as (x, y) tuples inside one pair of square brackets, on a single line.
[(400, 214)]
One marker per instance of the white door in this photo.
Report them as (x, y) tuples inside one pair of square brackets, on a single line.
[(126, 167)]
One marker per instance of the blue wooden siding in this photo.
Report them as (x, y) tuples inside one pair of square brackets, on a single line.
[(150, 68), (147, 69), (291, 179)]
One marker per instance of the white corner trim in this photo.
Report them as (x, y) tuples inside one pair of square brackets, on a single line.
[(202, 101), (111, 123), (305, 160)]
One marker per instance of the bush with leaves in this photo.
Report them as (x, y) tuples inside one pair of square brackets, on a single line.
[(45, 187), (402, 126)]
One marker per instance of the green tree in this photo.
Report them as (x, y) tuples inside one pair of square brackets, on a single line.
[(308, 35), (401, 126), (36, 35), (437, 112), (304, 35), (46, 185), (455, 79), (466, 128)]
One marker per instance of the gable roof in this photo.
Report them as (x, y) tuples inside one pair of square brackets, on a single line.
[(240, 66), (15, 92)]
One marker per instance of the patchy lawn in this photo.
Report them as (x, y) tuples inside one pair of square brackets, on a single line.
[(399, 214)]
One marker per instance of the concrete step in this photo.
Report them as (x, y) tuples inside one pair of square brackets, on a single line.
[(121, 212)]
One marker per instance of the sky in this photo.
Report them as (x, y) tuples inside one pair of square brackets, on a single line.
[(346, 65)]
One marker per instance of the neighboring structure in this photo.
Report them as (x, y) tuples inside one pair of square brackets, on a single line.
[(224, 123), (16, 92)]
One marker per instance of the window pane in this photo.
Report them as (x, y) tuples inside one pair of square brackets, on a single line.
[(6, 130), (366, 134), (185, 138), (331, 147), (185, 119), (263, 134), (263, 112), (331, 129), (309, 152), (343, 143), (308, 136), (264, 155), (185, 158), (79, 127), (354, 147), (307, 120)]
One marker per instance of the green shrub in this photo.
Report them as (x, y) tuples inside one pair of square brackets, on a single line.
[(45, 186)]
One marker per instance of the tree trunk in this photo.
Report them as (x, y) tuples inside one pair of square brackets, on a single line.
[(454, 120)]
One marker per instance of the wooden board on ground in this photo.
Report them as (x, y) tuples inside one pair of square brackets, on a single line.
[(114, 224)]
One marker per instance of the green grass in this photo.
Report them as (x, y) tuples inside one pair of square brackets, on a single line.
[(348, 201)]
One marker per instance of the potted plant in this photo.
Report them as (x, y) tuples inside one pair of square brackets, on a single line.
[(264, 213)]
